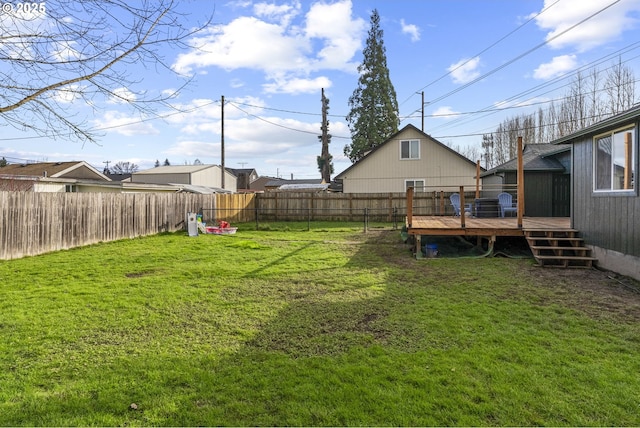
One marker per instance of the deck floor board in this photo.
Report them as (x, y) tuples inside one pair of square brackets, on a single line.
[(448, 225)]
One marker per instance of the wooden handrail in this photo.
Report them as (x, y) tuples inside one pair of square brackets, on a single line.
[(520, 191)]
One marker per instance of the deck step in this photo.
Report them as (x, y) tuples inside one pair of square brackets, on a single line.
[(566, 261), (559, 248)]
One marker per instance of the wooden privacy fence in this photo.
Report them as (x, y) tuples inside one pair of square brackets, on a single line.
[(35, 223), (315, 206)]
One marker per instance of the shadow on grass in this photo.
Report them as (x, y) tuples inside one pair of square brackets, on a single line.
[(393, 341)]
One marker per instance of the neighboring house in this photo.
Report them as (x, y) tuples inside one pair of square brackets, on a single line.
[(409, 158), (77, 177), (119, 177), (547, 180), (51, 177), (195, 175), (605, 199), (300, 185), (244, 176)]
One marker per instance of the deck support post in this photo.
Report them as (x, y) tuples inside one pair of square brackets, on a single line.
[(419, 254)]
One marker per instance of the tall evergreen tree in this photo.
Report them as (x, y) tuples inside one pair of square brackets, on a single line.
[(374, 108)]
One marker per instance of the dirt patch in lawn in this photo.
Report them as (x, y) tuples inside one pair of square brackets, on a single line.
[(597, 293)]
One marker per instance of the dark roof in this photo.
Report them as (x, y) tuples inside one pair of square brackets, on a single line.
[(394, 136), (237, 171), (118, 177), (611, 122), (535, 157), (280, 181), (73, 169), (36, 169)]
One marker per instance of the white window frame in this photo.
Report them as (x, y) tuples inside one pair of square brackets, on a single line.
[(410, 143), (619, 153), (415, 187)]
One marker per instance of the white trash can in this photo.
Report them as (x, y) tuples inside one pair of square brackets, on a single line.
[(192, 224)]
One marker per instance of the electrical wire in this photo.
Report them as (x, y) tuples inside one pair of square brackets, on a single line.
[(482, 51)]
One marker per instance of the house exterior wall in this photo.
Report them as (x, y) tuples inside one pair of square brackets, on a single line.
[(608, 221), (383, 171), (42, 186), (179, 178), (211, 177)]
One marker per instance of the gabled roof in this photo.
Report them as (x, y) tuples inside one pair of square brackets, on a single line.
[(175, 169), (394, 137), (535, 157), (237, 171), (612, 122), (75, 169)]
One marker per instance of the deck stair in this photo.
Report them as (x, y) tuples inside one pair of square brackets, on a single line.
[(559, 248)]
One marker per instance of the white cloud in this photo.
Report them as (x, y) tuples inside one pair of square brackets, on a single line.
[(246, 42), (558, 66), (445, 112), (297, 86), (339, 32), (114, 121), (282, 14), (68, 94), (328, 39), (122, 96), (599, 30), (66, 51), (410, 29), (465, 70)]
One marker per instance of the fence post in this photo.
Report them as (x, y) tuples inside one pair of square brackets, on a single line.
[(366, 214), (308, 219)]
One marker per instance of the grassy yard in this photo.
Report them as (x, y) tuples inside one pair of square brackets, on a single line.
[(324, 327)]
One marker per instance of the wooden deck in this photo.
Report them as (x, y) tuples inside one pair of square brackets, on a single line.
[(448, 225)]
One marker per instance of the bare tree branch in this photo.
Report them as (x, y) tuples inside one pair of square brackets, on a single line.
[(84, 53)]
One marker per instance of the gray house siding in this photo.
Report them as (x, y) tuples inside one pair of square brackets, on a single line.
[(608, 220)]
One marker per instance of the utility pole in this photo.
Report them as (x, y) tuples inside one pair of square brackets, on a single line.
[(222, 142), (106, 168), (324, 160), (422, 111)]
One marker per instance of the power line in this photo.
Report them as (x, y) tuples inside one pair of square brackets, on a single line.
[(520, 56), (279, 125), (491, 109), (483, 51)]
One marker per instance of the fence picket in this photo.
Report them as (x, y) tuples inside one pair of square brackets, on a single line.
[(35, 223)]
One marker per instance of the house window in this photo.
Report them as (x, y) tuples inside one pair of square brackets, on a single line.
[(418, 185), (70, 188), (615, 161), (410, 149)]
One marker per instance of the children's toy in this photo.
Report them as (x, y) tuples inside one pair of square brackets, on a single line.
[(223, 228)]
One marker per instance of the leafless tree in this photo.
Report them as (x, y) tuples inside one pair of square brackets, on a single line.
[(124, 168), (588, 100), (620, 88), (58, 53)]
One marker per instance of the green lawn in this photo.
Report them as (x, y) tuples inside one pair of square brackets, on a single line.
[(324, 327)]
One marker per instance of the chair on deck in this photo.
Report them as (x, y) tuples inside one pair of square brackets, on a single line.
[(455, 203), (506, 204)]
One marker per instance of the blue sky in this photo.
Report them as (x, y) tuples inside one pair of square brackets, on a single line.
[(271, 59)]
